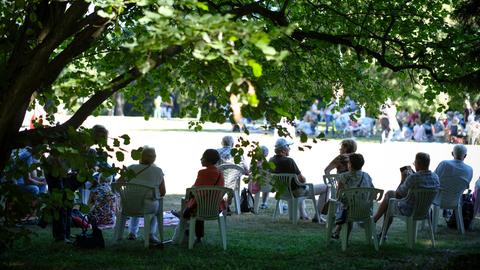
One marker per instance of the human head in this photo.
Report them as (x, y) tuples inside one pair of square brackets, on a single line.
[(282, 146), (105, 179), (100, 133), (264, 150), (348, 146), (356, 161), (148, 155), (459, 152), (422, 161), (210, 157), (227, 141)]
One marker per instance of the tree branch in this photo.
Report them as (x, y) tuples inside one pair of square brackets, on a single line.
[(59, 132)]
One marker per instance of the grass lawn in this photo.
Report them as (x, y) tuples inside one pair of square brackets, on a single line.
[(255, 242)]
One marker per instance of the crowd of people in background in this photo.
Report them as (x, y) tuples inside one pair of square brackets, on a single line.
[(392, 125)]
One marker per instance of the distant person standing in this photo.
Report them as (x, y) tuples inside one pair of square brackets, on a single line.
[(157, 113)]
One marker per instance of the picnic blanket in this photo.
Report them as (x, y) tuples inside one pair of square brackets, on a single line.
[(168, 220)]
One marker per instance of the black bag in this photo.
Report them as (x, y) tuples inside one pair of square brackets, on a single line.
[(246, 201), (90, 240), (467, 212)]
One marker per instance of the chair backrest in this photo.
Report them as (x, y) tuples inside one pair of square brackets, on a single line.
[(137, 200), (422, 202), (331, 181), (360, 202), (282, 183), (232, 173), (208, 199), (450, 193)]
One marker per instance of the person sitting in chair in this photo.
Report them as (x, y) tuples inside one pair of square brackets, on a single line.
[(210, 176), (423, 178), (284, 164), (147, 174), (354, 178)]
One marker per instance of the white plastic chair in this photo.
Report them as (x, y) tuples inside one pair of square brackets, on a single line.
[(331, 181), (421, 211), (360, 204), (208, 199), (138, 201), (449, 197), (284, 180), (232, 174)]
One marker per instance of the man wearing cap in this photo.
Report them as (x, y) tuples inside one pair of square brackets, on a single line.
[(284, 164)]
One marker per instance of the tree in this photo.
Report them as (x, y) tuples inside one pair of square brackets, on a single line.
[(259, 57)]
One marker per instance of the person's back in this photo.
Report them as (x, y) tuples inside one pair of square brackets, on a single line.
[(423, 178), (451, 172)]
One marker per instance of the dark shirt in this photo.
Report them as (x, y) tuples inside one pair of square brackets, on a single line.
[(285, 165)]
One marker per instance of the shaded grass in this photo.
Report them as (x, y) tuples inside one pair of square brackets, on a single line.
[(254, 242)]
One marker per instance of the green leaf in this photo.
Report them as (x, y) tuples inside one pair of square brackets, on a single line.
[(202, 5), (120, 156), (136, 154), (256, 67)]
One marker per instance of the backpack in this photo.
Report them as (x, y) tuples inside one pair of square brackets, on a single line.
[(467, 212), (246, 201)]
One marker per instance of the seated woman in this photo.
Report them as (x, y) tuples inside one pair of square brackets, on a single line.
[(355, 177), (340, 162), (255, 187), (103, 202), (210, 176), (147, 174)]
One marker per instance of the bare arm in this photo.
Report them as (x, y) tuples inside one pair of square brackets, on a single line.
[(331, 166), (162, 189), (301, 178)]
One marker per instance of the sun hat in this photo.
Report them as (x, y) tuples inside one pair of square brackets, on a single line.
[(281, 143)]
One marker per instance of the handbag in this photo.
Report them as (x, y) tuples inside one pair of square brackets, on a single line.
[(91, 240)]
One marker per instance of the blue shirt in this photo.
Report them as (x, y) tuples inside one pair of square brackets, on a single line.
[(421, 179), (25, 157), (454, 170)]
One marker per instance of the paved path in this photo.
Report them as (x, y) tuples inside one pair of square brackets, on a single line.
[(179, 151)]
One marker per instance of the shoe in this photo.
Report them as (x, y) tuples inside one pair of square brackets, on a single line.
[(379, 236), (131, 236), (154, 240), (322, 220), (335, 235), (157, 246), (263, 206), (198, 241)]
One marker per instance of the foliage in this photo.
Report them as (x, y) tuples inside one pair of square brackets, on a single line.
[(225, 59)]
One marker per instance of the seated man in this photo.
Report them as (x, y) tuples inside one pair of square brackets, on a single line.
[(147, 174), (455, 170), (284, 164), (423, 178)]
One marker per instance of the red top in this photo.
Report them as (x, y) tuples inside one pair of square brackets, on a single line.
[(210, 176)]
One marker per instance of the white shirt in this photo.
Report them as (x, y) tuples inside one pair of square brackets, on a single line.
[(150, 177)]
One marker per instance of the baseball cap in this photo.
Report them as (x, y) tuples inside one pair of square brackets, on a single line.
[(282, 142)]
